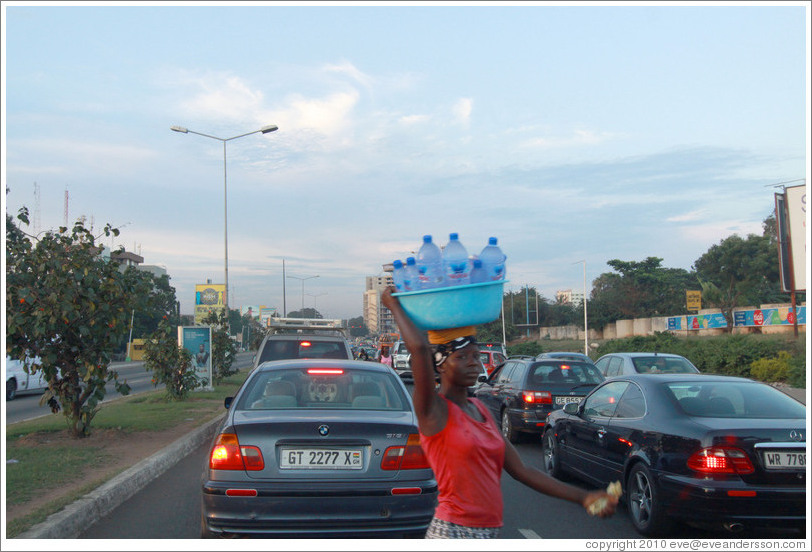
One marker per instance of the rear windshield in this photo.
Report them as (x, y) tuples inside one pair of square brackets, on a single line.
[(735, 400), (401, 349), (327, 388), (663, 365), (284, 349), (564, 372)]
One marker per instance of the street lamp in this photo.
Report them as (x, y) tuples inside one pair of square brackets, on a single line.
[(264, 130), (314, 296), (303, 281), (586, 341)]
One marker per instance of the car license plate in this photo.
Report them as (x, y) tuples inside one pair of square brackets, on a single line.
[(321, 459), (567, 400), (778, 460)]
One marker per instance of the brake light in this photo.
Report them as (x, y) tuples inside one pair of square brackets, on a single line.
[(537, 397), (565, 366), (325, 371), (410, 457), (227, 454), (713, 460), (305, 344)]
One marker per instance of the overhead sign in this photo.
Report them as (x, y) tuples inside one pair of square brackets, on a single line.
[(693, 299)]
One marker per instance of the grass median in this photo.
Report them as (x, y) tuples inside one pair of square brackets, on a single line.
[(46, 469)]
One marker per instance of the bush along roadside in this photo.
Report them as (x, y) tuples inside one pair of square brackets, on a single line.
[(762, 357)]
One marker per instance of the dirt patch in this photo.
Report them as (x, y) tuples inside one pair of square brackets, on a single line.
[(120, 449)]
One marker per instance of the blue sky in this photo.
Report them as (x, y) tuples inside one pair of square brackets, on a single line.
[(571, 132)]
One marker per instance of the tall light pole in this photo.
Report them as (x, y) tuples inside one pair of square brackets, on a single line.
[(303, 281), (586, 340), (264, 130), (314, 296)]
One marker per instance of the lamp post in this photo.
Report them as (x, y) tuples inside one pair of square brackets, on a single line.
[(264, 130), (303, 281), (586, 341), (314, 296)]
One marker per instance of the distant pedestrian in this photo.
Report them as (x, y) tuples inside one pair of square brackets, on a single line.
[(362, 354), (385, 357)]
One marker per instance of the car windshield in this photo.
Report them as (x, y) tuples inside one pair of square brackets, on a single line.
[(322, 388), (730, 399), (285, 349), (402, 350), (564, 372), (662, 365)]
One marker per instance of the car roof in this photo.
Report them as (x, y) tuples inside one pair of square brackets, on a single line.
[(306, 336), (676, 378), (287, 364), (644, 354)]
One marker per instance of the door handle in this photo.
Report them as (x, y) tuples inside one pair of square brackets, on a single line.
[(601, 432)]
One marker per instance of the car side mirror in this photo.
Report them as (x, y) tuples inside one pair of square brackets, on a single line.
[(482, 378), (227, 402), (572, 408)]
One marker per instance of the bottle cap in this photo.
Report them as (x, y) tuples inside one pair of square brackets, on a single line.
[(477, 263), (453, 236), (398, 264), (491, 241), (427, 238), (410, 261)]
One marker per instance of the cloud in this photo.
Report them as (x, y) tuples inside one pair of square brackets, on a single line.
[(413, 119), (462, 110), (578, 137), (350, 70), (223, 97), (698, 214)]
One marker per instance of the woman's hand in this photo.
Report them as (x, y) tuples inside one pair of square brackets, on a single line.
[(600, 503), (387, 300)]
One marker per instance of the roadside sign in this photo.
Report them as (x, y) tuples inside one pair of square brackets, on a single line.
[(693, 300)]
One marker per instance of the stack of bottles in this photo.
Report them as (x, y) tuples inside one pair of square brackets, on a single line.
[(451, 266)]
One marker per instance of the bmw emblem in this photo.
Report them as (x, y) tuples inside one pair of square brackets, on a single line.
[(324, 430)]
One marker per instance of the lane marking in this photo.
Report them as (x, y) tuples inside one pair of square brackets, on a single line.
[(529, 534)]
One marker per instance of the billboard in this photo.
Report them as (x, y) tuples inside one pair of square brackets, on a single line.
[(251, 310), (796, 213), (197, 340), (777, 316), (208, 297)]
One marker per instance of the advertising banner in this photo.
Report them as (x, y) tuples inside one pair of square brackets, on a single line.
[(197, 340), (779, 316), (208, 297), (693, 300), (251, 310), (796, 212)]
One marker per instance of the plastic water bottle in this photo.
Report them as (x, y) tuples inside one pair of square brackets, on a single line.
[(398, 273), (493, 261), (455, 262), (429, 264), (478, 274), (410, 276)]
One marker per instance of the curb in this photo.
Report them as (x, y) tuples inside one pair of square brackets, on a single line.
[(76, 517)]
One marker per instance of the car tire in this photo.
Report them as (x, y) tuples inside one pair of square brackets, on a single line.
[(645, 505), (508, 431), (550, 455), (11, 389)]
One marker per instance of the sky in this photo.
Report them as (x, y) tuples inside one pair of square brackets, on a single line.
[(575, 133)]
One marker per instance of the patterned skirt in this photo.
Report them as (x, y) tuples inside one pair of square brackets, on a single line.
[(440, 529)]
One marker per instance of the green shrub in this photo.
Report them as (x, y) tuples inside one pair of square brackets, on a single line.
[(531, 348), (772, 369)]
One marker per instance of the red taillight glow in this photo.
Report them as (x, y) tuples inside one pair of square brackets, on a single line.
[(325, 371), (720, 460), (407, 491), (305, 344), (565, 367), (410, 457), (241, 492), (742, 493), (227, 454), (537, 397)]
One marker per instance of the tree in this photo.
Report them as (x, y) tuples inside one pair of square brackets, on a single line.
[(357, 327), (223, 349), (307, 312), (170, 363), (638, 290), (67, 305), (740, 271)]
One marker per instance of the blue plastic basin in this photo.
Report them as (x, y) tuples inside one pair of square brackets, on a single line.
[(453, 307)]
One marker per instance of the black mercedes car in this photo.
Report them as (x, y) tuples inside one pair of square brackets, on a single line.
[(687, 447)]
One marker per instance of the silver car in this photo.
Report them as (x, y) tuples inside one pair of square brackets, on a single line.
[(627, 364), (318, 447), (400, 360)]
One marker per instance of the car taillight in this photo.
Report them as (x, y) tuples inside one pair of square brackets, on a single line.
[(227, 454), (325, 371), (537, 397), (409, 457), (721, 460)]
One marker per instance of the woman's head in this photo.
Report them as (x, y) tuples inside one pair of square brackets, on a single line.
[(456, 356)]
